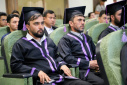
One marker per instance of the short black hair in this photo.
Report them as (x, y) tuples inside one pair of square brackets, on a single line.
[(101, 13), (14, 11), (103, 0), (48, 11), (90, 14), (3, 14), (33, 17), (10, 16)]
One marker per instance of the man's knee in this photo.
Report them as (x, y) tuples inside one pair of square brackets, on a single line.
[(100, 82), (81, 82)]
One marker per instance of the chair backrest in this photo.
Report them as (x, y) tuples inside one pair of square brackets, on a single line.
[(89, 20), (96, 30), (90, 24), (3, 31), (9, 42), (59, 22), (57, 34), (108, 56)]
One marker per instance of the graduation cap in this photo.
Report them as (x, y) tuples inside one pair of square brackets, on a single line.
[(111, 9), (71, 12), (103, 0), (26, 14)]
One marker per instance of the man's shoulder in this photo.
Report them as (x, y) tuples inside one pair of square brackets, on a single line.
[(66, 37), (21, 41), (108, 29), (54, 27)]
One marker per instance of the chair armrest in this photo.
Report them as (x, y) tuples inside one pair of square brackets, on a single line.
[(74, 70), (1, 58), (21, 75)]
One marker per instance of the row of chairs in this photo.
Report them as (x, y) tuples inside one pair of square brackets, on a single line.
[(6, 76), (107, 50)]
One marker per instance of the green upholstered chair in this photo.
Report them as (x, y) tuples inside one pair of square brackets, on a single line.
[(9, 78), (90, 24), (59, 22), (3, 31), (86, 18), (96, 30), (108, 57), (56, 35)]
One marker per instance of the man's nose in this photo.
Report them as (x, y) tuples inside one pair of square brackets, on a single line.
[(41, 26)]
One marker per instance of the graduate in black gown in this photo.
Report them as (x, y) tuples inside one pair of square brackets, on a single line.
[(123, 54), (37, 54), (77, 47), (114, 10), (49, 21)]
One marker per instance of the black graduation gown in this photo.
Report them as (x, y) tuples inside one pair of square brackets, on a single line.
[(45, 31), (123, 59), (70, 50), (27, 58), (105, 32)]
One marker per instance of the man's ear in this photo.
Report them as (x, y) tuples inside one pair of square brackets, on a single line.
[(99, 18), (44, 18), (112, 17), (28, 27), (71, 23), (8, 24)]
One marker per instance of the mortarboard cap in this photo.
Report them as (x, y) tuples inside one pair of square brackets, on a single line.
[(26, 14), (70, 12), (123, 20), (103, 0), (112, 8)]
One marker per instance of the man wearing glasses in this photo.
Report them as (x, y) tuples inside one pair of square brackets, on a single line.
[(3, 19)]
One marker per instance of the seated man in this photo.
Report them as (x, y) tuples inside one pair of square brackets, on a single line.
[(103, 18), (12, 23), (100, 6), (36, 54), (123, 54), (15, 12), (91, 15), (3, 19), (114, 11), (49, 21), (78, 48)]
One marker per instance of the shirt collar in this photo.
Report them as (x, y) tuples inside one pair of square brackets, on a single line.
[(49, 30), (78, 34), (115, 26), (29, 37)]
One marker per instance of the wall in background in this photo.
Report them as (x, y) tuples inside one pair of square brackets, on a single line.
[(87, 3), (2, 6), (39, 3), (29, 3), (57, 6)]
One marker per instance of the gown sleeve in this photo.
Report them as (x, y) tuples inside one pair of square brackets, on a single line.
[(57, 58), (103, 34), (17, 61), (123, 59), (64, 49)]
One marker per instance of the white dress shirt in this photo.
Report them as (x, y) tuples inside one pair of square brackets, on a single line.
[(29, 37), (49, 30)]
